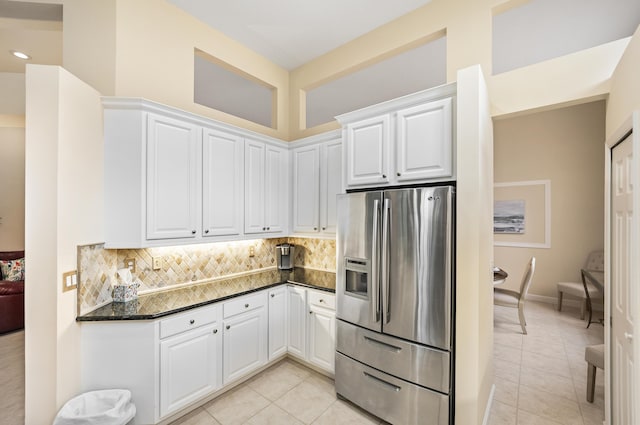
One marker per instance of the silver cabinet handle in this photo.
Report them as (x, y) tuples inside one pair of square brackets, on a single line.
[(246, 306), (273, 295), (268, 228), (228, 326), (206, 231), (193, 232), (383, 382), (311, 312), (191, 322), (398, 174), (384, 176), (215, 331), (264, 228)]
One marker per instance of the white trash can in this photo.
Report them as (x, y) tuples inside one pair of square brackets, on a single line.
[(104, 407)]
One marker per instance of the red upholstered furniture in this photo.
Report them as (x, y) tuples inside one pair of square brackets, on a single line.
[(11, 299)]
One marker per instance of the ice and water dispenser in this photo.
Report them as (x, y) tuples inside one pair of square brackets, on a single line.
[(285, 254)]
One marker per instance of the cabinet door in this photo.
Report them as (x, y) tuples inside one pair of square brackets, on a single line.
[(277, 323), (330, 184), (424, 141), (245, 344), (172, 178), (322, 337), (367, 144), (190, 367), (254, 196), (297, 323), (275, 189), (222, 183), (306, 188)]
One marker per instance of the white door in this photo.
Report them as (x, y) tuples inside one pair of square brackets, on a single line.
[(277, 323), (190, 366), (424, 141), (623, 296), (330, 184), (322, 336), (297, 323), (306, 189), (244, 344), (367, 143), (254, 197), (222, 183), (275, 189), (172, 178)]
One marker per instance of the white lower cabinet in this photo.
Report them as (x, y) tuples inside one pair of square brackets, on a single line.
[(173, 362), (322, 337), (312, 326), (277, 322), (297, 323), (244, 335), (189, 367)]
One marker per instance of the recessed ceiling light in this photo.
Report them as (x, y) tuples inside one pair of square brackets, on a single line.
[(20, 55)]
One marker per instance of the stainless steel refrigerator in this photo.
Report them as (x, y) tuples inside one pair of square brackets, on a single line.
[(394, 350)]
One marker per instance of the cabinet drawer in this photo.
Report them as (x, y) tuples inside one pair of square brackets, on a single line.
[(322, 299), (244, 304), (188, 320)]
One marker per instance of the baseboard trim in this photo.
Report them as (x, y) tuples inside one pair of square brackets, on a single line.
[(487, 410)]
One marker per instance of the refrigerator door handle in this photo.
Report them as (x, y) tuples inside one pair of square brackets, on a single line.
[(375, 271), (386, 216)]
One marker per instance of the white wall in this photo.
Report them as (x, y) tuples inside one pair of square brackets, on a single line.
[(474, 254), (12, 188), (64, 208)]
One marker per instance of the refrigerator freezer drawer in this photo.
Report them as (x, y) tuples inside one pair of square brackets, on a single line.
[(389, 398), (422, 365)]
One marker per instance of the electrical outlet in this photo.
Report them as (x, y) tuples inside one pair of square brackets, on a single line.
[(252, 251), (156, 263), (69, 280), (131, 263)]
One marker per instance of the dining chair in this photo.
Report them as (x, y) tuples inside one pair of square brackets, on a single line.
[(594, 355), (515, 299), (595, 261)]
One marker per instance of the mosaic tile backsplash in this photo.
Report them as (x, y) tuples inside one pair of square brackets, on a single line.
[(192, 263)]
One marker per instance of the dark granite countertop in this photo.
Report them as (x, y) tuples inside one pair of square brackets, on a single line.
[(171, 301)]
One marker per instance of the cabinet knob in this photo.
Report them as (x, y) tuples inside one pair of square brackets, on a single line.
[(246, 306), (191, 322), (193, 232), (228, 326), (324, 228), (268, 228), (315, 228), (215, 331), (399, 174), (206, 231), (384, 176), (311, 312), (264, 228), (273, 295), (321, 300)]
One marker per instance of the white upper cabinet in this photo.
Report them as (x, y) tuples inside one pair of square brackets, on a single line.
[(407, 140), (266, 186), (424, 141), (306, 189), (172, 178), (317, 180), (222, 183), (330, 184), (367, 142)]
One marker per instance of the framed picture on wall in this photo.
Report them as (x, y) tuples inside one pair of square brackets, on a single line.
[(522, 214)]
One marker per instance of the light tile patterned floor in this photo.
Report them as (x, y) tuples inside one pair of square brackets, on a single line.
[(286, 393), (541, 377)]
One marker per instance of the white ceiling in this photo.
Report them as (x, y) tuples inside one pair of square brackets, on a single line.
[(293, 32)]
